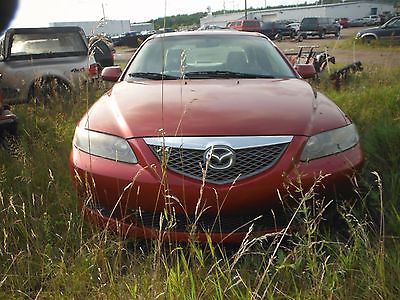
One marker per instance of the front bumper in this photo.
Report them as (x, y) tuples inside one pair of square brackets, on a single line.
[(8, 121), (114, 194)]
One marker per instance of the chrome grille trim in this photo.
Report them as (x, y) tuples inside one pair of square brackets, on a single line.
[(250, 160), (202, 143)]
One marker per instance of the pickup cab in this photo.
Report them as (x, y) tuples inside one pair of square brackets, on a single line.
[(44, 63)]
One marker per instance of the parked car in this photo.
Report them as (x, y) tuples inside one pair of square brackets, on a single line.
[(205, 133), (344, 22), (389, 30), (320, 26), (276, 30), (373, 20), (165, 30), (358, 22), (295, 27), (210, 27), (43, 63), (245, 25), (130, 34)]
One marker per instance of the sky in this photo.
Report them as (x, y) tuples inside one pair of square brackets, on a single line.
[(35, 13)]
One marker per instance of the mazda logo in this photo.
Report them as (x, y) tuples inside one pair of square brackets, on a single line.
[(219, 157)]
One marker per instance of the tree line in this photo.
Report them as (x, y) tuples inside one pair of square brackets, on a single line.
[(193, 20)]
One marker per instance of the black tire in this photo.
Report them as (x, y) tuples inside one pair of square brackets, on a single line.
[(322, 34), (368, 39), (337, 33), (302, 36), (48, 90)]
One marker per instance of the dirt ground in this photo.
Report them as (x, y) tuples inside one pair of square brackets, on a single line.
[(345, 56), (332, 44)]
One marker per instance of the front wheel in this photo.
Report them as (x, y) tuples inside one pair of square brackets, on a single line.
[(368, 39)]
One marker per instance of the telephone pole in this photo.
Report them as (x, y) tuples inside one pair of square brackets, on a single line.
[(245, 9)]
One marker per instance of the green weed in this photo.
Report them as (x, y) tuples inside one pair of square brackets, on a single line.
[(47, 251)]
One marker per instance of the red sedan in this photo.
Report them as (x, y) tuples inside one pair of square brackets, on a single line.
[(202, 135)]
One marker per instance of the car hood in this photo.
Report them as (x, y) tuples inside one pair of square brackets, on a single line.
[(371, 30), (213, 107)]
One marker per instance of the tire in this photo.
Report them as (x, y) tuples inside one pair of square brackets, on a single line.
[(302, 36), (322, 34), (48, 90), (368, 39), (337, 33)]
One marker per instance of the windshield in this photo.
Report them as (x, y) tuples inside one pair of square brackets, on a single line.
[(47, 43), (393, 23), (208, 56), (309, 21)]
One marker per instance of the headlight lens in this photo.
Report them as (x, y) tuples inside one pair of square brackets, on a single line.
[(330, 142), (104, 145)]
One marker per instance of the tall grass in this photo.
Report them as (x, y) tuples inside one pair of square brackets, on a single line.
[(47, 251)]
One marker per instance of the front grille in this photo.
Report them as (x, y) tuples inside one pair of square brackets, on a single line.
[(248, 162)]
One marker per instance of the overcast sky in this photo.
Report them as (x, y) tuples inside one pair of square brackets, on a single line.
[(42, 12)]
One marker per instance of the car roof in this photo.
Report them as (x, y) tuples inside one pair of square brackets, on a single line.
[(208, 33), (45, 29)]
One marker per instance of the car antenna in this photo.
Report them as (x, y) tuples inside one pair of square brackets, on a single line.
[(163, 66)]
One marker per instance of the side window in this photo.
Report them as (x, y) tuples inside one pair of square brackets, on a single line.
[(396, 23)]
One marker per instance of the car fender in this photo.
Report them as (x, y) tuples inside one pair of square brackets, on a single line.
[(364, 35)]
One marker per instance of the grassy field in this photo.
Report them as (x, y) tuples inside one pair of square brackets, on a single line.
[(48, 252)]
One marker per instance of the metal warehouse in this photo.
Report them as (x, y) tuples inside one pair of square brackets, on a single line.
[(340, 10), (110, 27)]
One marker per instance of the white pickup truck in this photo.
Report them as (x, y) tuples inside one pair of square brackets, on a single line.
[(44, 63)]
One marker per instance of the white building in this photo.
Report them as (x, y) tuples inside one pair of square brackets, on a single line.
[(108, 27), (349, 10), (142, 26)]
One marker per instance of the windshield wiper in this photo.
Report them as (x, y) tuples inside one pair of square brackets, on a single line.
[(224, 74), (150, 75)]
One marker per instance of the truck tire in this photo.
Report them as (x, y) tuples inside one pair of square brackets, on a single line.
[(48, 90)]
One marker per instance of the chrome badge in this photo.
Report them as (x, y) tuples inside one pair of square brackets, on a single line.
[(219, 157)]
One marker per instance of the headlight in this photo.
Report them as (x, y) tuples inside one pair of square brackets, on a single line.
[(104, 145), (330, 142)]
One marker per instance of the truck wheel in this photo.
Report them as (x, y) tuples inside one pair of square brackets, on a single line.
[(322, 34), (48, 90)]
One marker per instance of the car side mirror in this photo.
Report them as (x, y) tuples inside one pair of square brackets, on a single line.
[(111, 73), (305, 70)]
